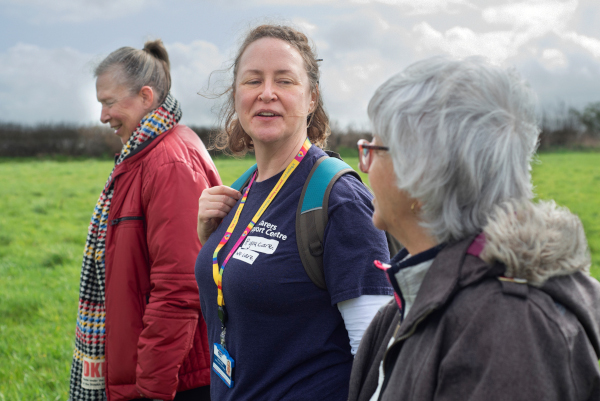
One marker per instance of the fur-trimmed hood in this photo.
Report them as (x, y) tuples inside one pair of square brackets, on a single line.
[(545, 244), (536, 241)]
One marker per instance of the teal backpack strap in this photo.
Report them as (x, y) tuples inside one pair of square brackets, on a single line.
[(244, 178), (311, 215)]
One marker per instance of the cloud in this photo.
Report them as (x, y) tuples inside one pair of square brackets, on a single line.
[(424, 7), (537, 16), (554, 59), (46, 85), (461, 42), (359, 50), (77, 10), (191, 66), (575, 84), (362, 43), (57, 85), (592, 45)]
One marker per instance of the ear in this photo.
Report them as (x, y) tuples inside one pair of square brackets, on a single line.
[(416, 206), (147, 95)]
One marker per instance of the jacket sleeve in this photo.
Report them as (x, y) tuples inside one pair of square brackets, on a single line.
[(364, 377), (173, 308), (518, 348)]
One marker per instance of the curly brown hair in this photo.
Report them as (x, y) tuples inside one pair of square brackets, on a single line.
[(231, 136)]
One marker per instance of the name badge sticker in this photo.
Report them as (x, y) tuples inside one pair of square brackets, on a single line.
[(260, 244), (92, 375), (223, 364), (245, 255)]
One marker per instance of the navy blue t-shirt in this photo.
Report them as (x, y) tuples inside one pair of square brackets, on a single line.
[(286, 335)]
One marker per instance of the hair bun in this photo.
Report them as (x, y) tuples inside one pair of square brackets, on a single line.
[(157, 49)]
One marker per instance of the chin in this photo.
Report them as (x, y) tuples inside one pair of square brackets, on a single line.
[(124, 138), (269, 137)]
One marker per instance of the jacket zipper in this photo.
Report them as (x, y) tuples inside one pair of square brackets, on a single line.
[(117, 221)]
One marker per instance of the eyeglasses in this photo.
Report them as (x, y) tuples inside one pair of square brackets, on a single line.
[(365, 150)]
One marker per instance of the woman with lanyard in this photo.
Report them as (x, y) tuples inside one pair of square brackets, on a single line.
[(273, 334)]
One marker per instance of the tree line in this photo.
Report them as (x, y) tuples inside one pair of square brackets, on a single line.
[(562, 127), (99, 141)]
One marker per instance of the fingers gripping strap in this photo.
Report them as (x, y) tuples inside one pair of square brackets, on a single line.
[(218, 272)]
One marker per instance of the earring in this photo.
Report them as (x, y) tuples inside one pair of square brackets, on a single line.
[(412, 207)]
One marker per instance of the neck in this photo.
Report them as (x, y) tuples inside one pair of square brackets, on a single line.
[(413, 237), (271, 159)]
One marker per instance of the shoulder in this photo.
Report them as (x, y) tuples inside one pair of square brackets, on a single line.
[(347, 193), (506, 311), (180, 146), (182, 135), (513, 331), (348, 188)]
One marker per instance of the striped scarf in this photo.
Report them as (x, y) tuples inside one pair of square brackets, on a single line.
[(90, 334)]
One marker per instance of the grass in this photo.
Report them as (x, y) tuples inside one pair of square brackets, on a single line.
[(46, 206), (573, 180)]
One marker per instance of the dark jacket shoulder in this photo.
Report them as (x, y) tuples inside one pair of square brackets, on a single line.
[(519, 322)]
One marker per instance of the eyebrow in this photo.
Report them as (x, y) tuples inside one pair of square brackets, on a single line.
[(260, 72)]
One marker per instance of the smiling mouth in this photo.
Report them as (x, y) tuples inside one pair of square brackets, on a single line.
[(267, 114), (116, 128)]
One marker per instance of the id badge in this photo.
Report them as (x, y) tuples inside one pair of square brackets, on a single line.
[(223, 364)]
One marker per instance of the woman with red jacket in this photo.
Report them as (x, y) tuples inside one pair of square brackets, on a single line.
[(140, 333)]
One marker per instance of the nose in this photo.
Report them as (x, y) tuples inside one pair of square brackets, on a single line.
[(104, 116), (268, 94)]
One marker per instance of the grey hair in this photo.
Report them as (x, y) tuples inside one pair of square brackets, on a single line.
[(462, 134), (138, 68)]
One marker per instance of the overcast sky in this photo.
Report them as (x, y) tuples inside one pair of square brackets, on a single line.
[(49, 48)]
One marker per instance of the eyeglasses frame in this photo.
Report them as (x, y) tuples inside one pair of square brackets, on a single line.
[(363, 144)]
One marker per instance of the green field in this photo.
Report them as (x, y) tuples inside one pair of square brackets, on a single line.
[(45, 209)]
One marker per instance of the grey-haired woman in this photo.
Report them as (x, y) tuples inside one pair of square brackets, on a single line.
[(493, 295), (140, 333)]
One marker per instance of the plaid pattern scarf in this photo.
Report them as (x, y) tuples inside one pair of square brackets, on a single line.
[(88, 369)]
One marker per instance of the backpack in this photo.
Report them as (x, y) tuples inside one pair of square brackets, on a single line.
[(311, 214)]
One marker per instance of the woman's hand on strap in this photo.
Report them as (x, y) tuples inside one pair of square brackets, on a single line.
[(214, 204)]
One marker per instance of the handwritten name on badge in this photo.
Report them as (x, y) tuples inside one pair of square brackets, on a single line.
[(260, 244), (92, 376), (245, 255)]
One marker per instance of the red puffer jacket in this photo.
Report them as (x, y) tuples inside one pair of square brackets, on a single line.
[(156, 341)]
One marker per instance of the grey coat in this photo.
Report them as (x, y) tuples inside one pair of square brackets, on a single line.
[(471, 335)]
